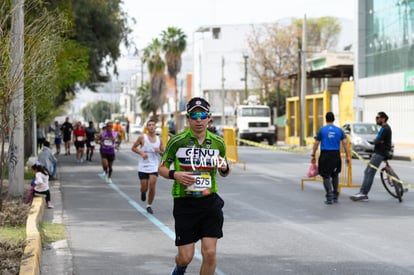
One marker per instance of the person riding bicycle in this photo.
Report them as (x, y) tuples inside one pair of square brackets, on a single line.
[(382, 151)]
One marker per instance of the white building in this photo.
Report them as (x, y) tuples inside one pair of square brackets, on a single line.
[(220, 55), (219, 66), (385, 65)]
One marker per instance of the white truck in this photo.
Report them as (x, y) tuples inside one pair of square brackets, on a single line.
[(253, 122)]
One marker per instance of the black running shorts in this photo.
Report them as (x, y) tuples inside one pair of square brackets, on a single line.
[(108, 157), (196, 218)]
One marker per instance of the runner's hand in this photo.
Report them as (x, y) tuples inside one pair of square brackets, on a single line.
[(185, 178)]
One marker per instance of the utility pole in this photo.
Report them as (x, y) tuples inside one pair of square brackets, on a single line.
[(16, 111), (223, 120), (303, 85), (245, 76)]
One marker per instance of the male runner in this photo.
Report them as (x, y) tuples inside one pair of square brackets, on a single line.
[(196, 155)]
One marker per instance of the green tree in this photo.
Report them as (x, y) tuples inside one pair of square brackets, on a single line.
[(93, 33), (156, 68), (322, 33), (99, 111), (42, 42), (273, 57), (144, 96), (274, 51)]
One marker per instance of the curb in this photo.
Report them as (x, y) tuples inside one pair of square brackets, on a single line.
[(30, 264), (405, 158)]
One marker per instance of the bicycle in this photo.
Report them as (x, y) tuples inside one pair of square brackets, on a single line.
[(391, 181)]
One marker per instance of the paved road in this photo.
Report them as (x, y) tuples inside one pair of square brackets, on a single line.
[(271, 226)]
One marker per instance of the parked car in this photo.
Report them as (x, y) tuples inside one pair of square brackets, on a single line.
[(158, 130), (136, 129), (362, 137)]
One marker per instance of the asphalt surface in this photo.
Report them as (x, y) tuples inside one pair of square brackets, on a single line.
[(271, 227)]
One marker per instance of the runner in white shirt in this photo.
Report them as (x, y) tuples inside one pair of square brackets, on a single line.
[(149, 147)]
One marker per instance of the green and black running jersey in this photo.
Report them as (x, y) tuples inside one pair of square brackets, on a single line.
[(184, 152)]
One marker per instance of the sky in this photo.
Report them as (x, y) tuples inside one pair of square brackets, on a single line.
[(154, 16)]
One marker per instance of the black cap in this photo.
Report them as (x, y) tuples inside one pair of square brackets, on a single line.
[(198, 102)]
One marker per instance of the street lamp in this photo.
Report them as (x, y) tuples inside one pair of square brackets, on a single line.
[(245, 76), (198, 54)]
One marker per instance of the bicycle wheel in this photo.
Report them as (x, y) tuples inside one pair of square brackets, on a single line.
[(393, 187)]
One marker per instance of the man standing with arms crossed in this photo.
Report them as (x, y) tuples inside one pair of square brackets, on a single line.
[(149, 147), (330, 164), (196, 156)]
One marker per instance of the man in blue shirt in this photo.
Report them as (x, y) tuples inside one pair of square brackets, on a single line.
[(329, 163)]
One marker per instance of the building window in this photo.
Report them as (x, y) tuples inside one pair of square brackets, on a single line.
[(388, 41), (216, 33)]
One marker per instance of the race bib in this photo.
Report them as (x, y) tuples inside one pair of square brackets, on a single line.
[(92, 143), (107, 142), (79, 138), (202, 182)]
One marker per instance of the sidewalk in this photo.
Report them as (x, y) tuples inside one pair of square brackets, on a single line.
[(56, 257), (404, 152)]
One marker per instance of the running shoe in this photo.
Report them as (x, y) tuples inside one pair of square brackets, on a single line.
[(109, 181), (149, 210), (359, 197), (102, 175), (178, 270), (50, 206), (143, 196), (328, 202)]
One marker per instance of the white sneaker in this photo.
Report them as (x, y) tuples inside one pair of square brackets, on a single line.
[(102, 175), (50, 206), (359, 197), (109, 181)]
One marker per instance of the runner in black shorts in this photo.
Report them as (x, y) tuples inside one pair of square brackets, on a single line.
[(149, 148), (90, 140), (197, 156), (67, 129)]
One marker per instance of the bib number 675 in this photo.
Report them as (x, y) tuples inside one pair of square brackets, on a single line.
[(202, 181)]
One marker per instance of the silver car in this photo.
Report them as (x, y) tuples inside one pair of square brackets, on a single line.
[(362, 136)]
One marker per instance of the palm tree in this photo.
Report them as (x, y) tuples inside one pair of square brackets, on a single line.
[(144, 95), (156, 68), (173, 44)]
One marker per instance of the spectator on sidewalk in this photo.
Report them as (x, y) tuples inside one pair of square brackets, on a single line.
[(41, 136), (48, 160), (41, 182)]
